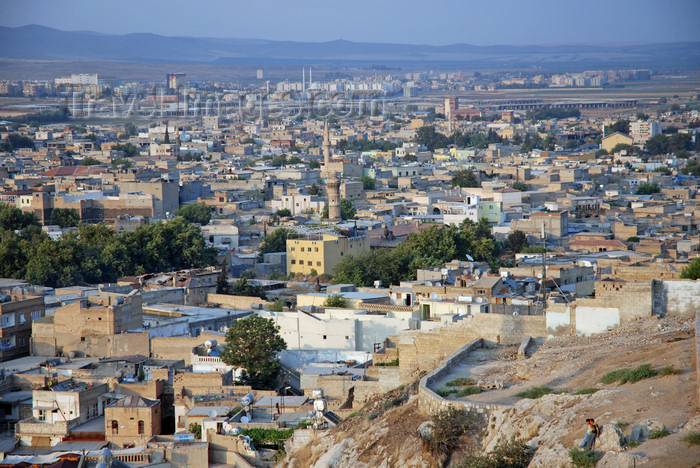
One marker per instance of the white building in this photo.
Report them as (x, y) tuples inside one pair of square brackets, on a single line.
[(643, 130), (298, 204)]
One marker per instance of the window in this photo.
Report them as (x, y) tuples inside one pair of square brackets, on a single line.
[(309, 249), (324, 337), (294, 262), (142, 427), (318, 263), (115, 427), (42, 415), (315, 249), (293, 248), (341, 254), (36, 314)]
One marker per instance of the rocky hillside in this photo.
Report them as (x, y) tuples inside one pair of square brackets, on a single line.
[(387, 431)]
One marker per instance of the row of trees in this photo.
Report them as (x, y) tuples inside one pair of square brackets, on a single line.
[(430, 247), (93, 253), (428, 137)]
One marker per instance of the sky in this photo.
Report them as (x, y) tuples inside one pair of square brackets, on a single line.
[(437, 22)]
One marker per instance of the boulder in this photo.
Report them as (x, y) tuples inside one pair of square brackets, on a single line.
[(642, 430), (610, 438), (619, 460), (551, 458), (693, 424), (425, 430)]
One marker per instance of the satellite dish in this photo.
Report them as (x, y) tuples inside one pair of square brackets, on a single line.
[(227, 427), (469, 257), (119, 374), (71, 355), (236, 430), (245, 419), (212, 413)]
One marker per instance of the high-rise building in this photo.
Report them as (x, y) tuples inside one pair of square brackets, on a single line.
[(643, 130), (175, 80)]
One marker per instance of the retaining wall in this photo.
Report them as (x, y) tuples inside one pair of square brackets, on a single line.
[(430, 402)]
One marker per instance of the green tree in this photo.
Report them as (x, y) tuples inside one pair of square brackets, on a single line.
[(692, 271), (65, 217), (601, 152), (243, 288), (12, 218), (335, 300), (314, 189), (195, 213), (522, 186), (465, 178), (368, 182), (516, 241), (692, 168), (313, 164), (647, 189), (90, 161), (252, 344), (222, 285), (622, 126), (276, 241), (283, 213), (427, 136), (658, 144), (347, 211), (129, 149)]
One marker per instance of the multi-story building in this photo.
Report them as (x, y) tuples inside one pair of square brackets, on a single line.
[(59, 408), (556, 224), (322, 252), (643, 130), (17, 311), (132, 420)]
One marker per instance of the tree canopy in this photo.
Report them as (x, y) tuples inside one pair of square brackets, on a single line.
[(347, 210), (430, 247), (276, 241), (465, 178), (693, 270), (93, 253), (252, 344), (65, 217), (647, 189), (195, 213)]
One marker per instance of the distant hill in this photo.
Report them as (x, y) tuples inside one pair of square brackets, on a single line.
[(42, 43)]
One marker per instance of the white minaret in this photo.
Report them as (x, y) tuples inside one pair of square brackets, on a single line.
[(326, 148), (303, 79)]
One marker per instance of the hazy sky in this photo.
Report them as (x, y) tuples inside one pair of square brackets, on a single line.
[(483, 22)]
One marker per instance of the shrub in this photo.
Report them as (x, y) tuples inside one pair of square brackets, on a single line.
[(584, 458), (633, 443), (513, 454), (614, 376), (641, 372), (658, 433), (469, 391), (374, 415), (262, 436), (461, 382), (393, 363), (195, 429), (354, 414), (692, 439), (335, 300), (586, 391), (443, 391), (537, 392), (448, 426), (669, 370)]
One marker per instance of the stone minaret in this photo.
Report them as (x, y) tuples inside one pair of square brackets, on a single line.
[(326, 149), (333, 189)]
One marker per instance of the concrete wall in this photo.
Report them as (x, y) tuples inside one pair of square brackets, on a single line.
[(590, 320), (179, 347), (697, 354), (164, 295), (679, 298)]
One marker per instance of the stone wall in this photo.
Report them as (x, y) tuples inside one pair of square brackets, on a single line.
[(430, 402), (236, 302), (422, 350)]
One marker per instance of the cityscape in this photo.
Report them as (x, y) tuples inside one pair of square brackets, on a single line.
[(312, 236)]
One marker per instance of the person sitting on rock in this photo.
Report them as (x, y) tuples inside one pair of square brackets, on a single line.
[(591, 435)]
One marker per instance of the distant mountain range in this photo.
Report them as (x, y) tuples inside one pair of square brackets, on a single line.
[(35, 42)]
